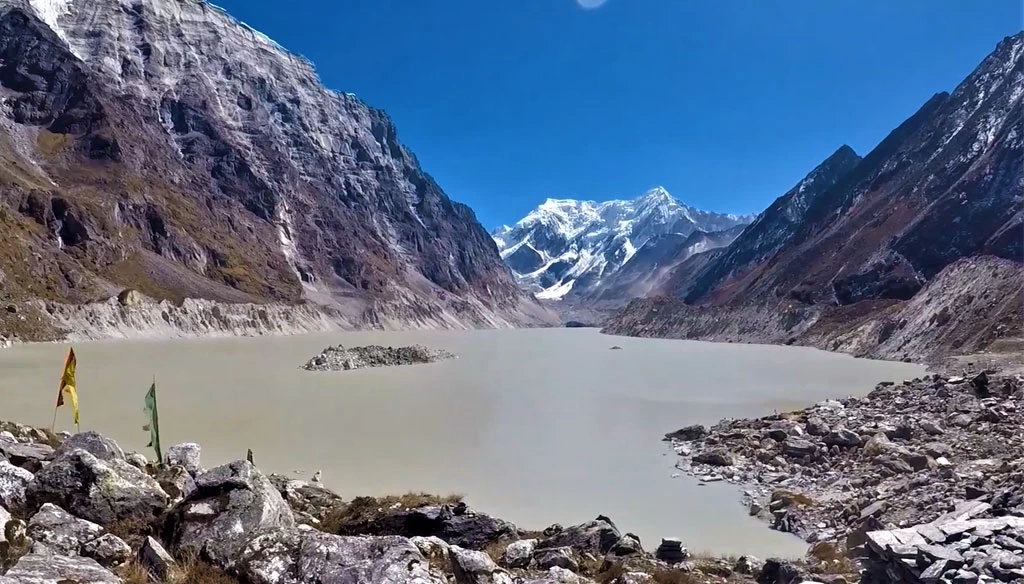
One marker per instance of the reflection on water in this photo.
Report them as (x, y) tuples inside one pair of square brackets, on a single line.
[(536, 426)]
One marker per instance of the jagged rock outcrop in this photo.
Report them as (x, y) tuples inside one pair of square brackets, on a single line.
[(166, 148), (99, 491)]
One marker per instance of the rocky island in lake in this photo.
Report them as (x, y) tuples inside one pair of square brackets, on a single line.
[(344, 359)]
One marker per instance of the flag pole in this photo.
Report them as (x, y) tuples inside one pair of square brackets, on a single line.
[(53, 425)]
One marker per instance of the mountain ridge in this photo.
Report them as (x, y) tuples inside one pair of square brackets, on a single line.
[(568, 248), (143, 139), (932, 215)]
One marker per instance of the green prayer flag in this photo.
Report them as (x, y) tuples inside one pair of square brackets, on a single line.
[(154, 422)]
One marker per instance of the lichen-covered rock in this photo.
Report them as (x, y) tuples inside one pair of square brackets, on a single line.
[(157, 561), (175, 481), (100, 491), (310, 501), (475, 567), (595, 537), (518, 553), (60, 531), (298, 556), (13, 481), (44, 568), (137, 460), (94, 443), (231, 504), (108, 550), (186, 455), (29, 456), (561, 556)]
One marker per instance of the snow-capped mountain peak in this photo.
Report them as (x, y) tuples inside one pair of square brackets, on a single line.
[(568, 246)]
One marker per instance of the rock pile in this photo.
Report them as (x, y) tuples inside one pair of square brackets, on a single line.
[(949, 549), (79, 509), (341, 359), (905, 455)]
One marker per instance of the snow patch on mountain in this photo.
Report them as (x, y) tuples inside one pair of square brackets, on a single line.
[(567, 246)]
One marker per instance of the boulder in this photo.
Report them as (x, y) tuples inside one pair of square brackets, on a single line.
[(596, 537), (747, 565), (671, 551), (842, 438), (310, 501), (518, 553), (157, 561), (798, 447), (714, 457), (628, 545), (776, 571), (137, 460), (100, 491), (45, 568), (475, 567), (458, 525), (301, 555), (185, 455), (231, 504), (60, 531), (559, 575), (94, 443), (634, 578), (13, 481), (108, 550), (27, 456), (175, 481), (560, 556), (816, 426), (878, 444), (688, 434)]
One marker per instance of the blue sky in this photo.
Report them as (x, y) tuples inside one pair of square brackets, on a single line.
[(726, 103)]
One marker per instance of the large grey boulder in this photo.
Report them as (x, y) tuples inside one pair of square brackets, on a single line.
[(94, 443), (28, 456), (60, 531), (550, 557), (157, 561), (100, 491), (13, 481), (456, 524), (231, 504), (298, 556), (519, 553), (185, 455), (45, 568), (108, 550), (311, 501), (475, 567), (596, 537)]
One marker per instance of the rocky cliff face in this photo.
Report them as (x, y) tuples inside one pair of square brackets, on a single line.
[(859, 241), (164, 146), (572, 249)]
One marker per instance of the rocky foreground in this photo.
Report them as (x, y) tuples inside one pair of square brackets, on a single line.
[(924, 479), (341, 359), (78, 509)]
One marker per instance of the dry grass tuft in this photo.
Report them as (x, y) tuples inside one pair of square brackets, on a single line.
[(131, 530), (195, 571), (664, 575), (349, 518)]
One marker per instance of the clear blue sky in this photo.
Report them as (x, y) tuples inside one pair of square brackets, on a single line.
[(726, 103)]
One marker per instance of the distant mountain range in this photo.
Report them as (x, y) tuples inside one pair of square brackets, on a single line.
[(913, 251), (575, 249)]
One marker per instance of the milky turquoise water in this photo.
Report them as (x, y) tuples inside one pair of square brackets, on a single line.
[(535, 426)]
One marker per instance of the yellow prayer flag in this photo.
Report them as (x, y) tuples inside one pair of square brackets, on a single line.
[(67, 384)]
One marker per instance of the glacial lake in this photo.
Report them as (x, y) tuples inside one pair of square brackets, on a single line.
[(535, 426)]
